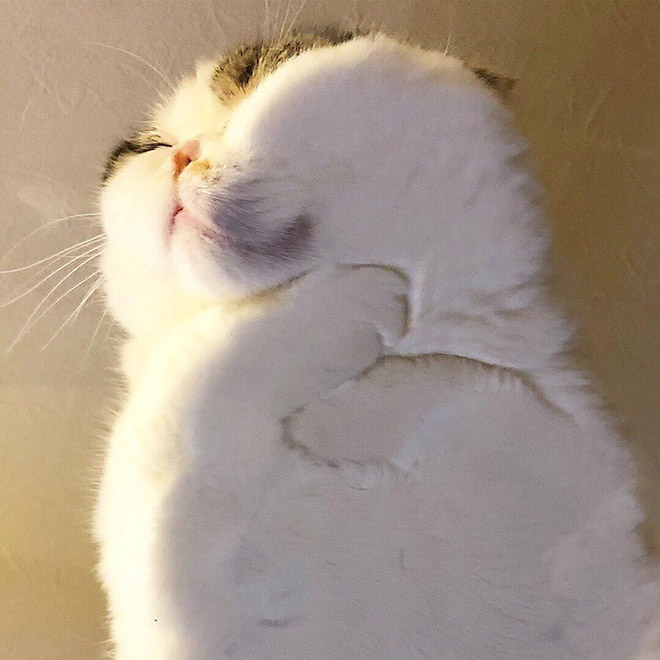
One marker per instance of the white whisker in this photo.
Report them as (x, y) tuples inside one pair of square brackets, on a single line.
[(97, 286), (92, 289), (163, 97), (451, 30), (295, 17), (94, 335), (27, 326), (52, 256), (266, 26), (48, 224), (284, 20), (138, 58), (45, 279), (218, 22), (69, 254)]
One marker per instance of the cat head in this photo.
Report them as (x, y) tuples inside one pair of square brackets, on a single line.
[(326, 149)]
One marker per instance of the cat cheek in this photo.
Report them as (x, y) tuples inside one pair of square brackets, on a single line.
[(293, 241), (136, 206), (261, 242)]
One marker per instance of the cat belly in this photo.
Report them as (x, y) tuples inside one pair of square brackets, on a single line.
[(362, 562), (494, 527), (369, 561), (491, 529)]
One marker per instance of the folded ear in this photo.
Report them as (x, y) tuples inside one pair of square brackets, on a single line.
[(501, 84)]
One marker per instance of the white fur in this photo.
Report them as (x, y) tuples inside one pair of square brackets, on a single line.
[(287, 480)]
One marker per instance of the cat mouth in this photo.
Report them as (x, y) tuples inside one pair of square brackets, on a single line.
[(174, 218), (183, 217)]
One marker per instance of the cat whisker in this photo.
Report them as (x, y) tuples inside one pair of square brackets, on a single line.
[(29, 324), (266, 25), (295, 17), (274, 30), (94, 335), (94, 246), (70, 254), (451, 30), (283, 32), (61, 253), (139, 58), (76, 312), (161, 96), (48, 224), (65, 256), (91, 292), (218, 22)]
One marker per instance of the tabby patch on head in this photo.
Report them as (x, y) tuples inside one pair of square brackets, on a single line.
[(242, 69)]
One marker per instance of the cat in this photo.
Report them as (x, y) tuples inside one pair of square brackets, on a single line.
[(350, 427)]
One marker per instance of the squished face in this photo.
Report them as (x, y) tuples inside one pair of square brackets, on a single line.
[(275, 161)]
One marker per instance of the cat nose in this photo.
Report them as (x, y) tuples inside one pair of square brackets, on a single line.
[(183, 155)]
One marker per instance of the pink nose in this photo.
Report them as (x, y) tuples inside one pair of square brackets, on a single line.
[(183, 155)]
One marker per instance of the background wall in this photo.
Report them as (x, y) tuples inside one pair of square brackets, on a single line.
[(588, 100)]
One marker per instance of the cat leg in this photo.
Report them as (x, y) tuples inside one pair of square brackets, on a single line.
[(362, 420)]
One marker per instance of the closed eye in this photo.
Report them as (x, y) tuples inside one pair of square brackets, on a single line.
[(132, 146), (140, 147)]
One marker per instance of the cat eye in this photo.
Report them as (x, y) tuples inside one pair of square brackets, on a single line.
[(132, 146), (143, 147)]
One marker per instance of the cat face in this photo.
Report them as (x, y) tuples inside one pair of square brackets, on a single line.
[(273, 162)]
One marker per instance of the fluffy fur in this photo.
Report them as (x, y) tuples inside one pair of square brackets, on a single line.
[(350, 431)]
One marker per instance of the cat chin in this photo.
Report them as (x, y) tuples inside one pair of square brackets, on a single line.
[(193, 273), (220, 276)]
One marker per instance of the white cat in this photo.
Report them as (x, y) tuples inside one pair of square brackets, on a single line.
[(350, 431)]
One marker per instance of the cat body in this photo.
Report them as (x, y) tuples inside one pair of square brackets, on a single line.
[(349, 429)]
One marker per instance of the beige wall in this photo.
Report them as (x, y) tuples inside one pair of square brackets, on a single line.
[(588, 101)]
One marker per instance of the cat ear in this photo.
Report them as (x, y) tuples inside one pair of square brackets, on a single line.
[(501, 84)]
